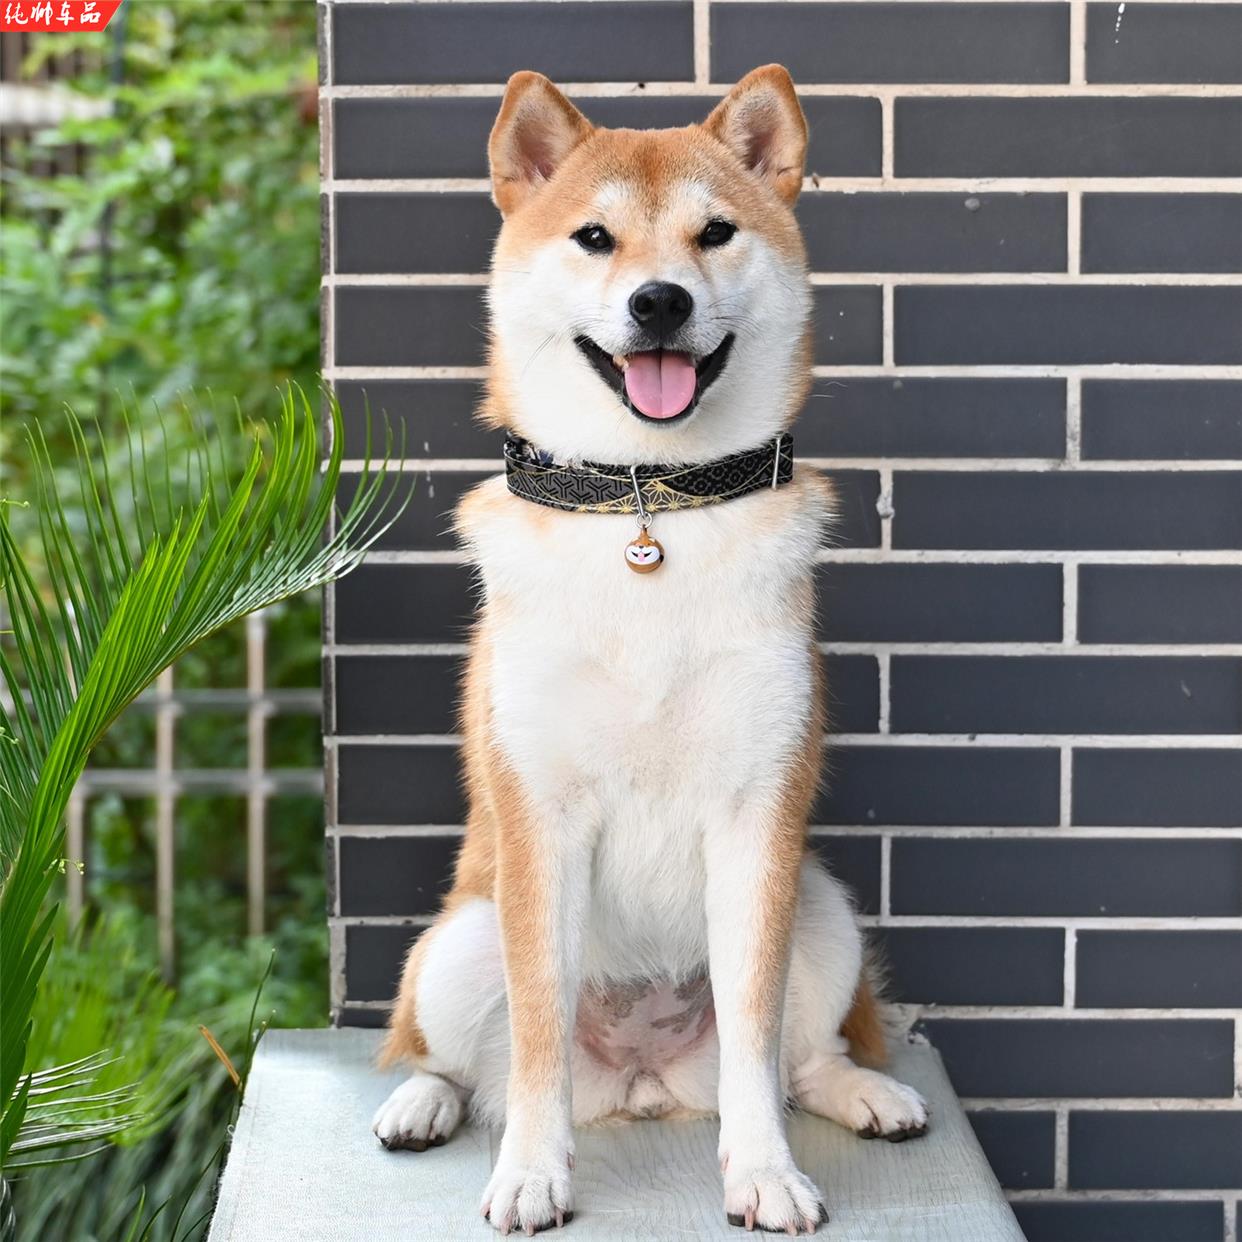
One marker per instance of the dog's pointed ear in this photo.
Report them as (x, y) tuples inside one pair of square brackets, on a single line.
[(537, 127), (761, 122)]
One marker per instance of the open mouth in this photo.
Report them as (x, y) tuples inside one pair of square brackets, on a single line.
[(657, 385)]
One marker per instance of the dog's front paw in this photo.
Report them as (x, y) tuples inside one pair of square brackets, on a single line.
[(529, 1189), (422, 1112), (775, 1196)]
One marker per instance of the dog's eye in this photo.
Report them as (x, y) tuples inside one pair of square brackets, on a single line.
[(716, 233), (594, 237)]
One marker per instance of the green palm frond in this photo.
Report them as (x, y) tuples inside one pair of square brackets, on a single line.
[(158, 559)]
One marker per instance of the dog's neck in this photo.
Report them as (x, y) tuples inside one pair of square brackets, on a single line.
[(596, 487)]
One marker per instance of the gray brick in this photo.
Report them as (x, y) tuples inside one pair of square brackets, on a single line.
[(853, 693), (991, 324), (1068, 137), (854, 860), (405, 784), (848, 325), (383, 233), (410, 327), (1133, 1221), (857, 523), (1066, 694), (881, 416), (426, 522), (1031, 876), (1159, 970), (395, 875), (575, 42), (446, 326), (397, 694), (1174, 419), (1169, 1150), (1162, 232), (920, 232), (939, 785), (374, 954), (356, 1015), (1020, 1146), (1160, 603), (1158, 788), (404, 604), (438, 417), (1122, 1057), (884, 42), (1164, 43), (1093, 509), (404, 138), (974, 965), (940, 603)]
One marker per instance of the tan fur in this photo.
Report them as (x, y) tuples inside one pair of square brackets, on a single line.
[(864, 1027), (779, 882)]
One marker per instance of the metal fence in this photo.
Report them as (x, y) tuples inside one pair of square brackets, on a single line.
[(165, 782)]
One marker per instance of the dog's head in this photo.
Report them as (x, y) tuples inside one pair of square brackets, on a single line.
[(649, 300)]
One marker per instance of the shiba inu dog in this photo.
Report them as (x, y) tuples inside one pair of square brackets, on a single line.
[(637, 927)]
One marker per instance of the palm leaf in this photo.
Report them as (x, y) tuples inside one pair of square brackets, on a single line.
[(167, 556)]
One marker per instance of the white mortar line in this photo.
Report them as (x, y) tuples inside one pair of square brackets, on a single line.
[(977, 741), (1007, 1013), (822, 183), (961, 370), (1060, 1155), (886, 879), (918, 831), (913, 556), (879, 649), (887, 324), (884, 664), (1078, 42), (1142, 280), (1087, 1103), (1069, 604), (1073, 232), (885, 465), (1066, 787), (887, 91), (702, 42), (1070, 976), (887, 140)]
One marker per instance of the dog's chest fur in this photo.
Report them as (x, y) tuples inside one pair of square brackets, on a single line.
[(640, 708)]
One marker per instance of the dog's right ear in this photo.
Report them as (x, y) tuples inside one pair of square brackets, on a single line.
[(536, 129)]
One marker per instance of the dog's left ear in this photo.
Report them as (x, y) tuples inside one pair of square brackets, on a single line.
[(537, 127), (761, 122)]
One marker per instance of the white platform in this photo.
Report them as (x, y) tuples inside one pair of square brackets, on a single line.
[(305, 1166)]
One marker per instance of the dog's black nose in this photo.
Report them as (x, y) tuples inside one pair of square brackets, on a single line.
[(660, 307)]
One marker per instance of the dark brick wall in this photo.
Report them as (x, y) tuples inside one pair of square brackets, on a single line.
[(1025, 222)]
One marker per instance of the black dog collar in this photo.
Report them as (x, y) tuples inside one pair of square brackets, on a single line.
[(641, 490)]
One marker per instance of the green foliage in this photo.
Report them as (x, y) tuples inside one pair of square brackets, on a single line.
[(157, 1044), (187, 257), (197, 545)]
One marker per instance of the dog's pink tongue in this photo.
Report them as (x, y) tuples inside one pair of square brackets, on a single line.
[(660, 383)]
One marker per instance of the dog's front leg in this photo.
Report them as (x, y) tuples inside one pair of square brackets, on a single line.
[(752, 884), (543, 880)]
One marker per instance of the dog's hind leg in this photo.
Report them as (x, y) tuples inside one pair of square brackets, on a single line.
[(449, 1020), (830, 1012)]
